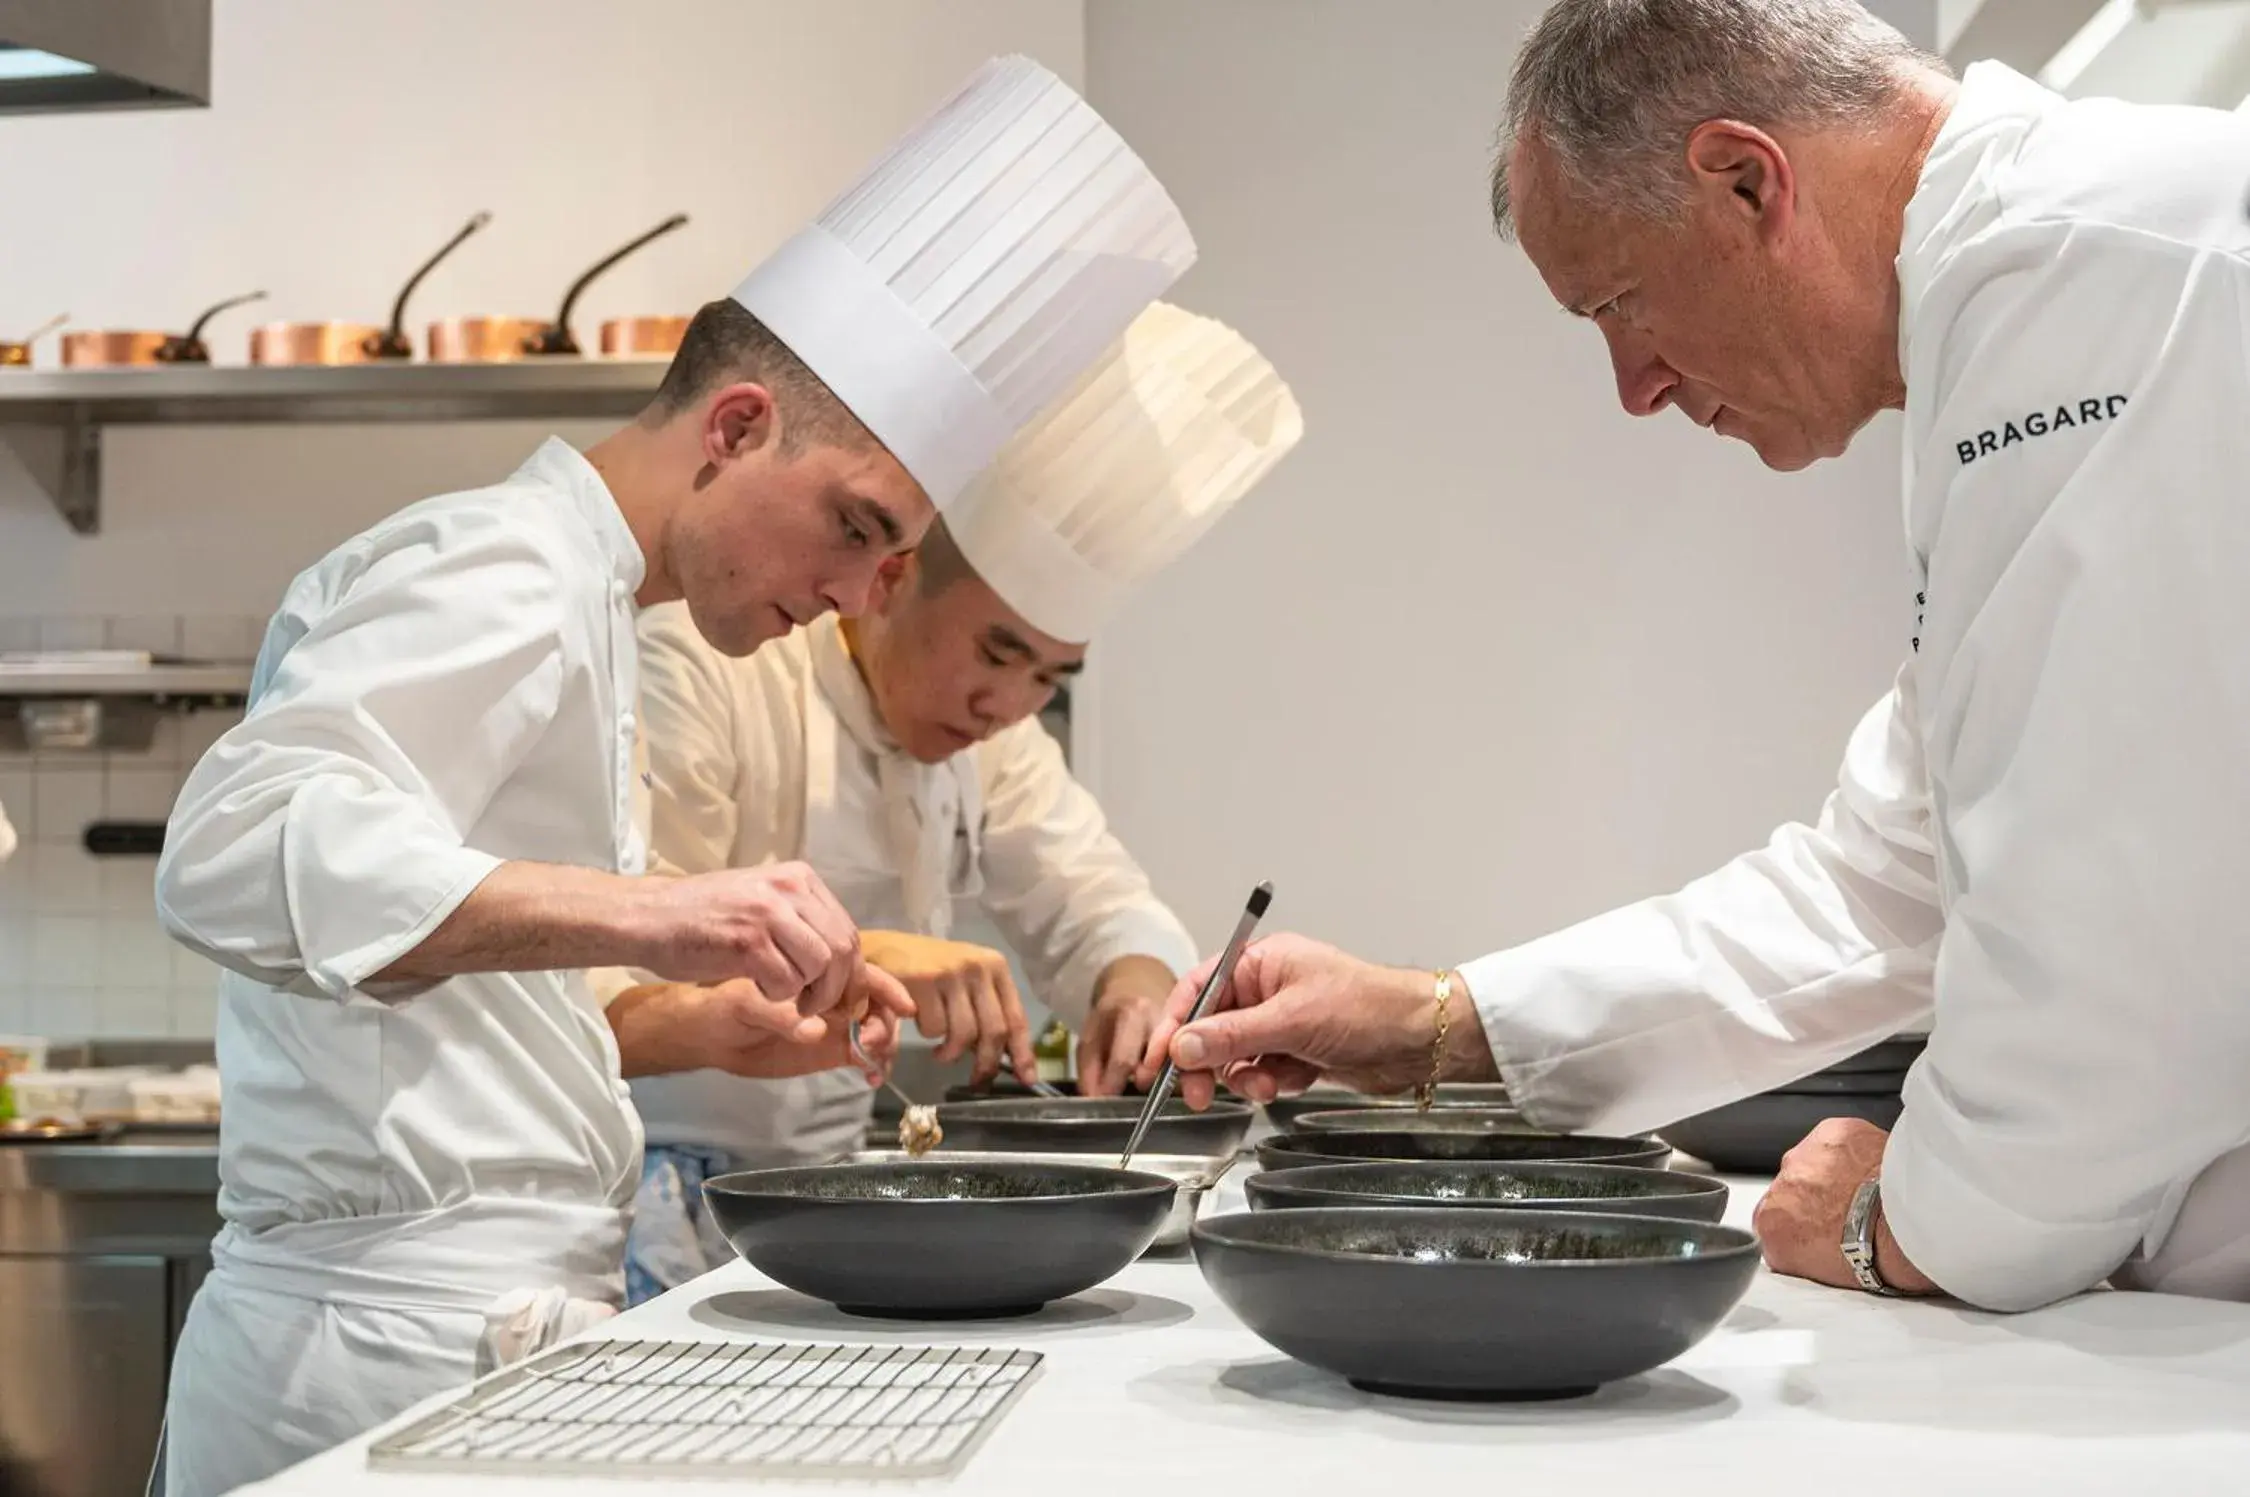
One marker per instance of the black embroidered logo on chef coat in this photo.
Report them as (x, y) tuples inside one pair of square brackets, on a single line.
[(1921, 601), (2039, 424)]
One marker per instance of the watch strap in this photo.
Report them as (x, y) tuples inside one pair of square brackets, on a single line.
[(1859, 1236)]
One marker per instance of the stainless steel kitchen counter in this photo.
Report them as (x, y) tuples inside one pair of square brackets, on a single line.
[(102, 1247), (136, 1193), (134, 1163)]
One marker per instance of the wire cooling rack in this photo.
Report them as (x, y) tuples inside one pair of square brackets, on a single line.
[(725, 1409)]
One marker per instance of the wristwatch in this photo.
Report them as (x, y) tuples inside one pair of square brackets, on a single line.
[(1859, 1237)]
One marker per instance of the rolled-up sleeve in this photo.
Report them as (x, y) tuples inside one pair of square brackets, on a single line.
[(1784, 961), (2090, 724), (1059, 884), (327, 835)]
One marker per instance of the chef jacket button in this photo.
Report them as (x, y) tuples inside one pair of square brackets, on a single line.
[(625, 725)]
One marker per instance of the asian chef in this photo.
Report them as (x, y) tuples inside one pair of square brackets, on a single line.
[(430, 820), (901, 755), (1783, 218)]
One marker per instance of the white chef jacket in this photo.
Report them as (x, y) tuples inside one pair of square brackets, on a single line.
[(781, 756), (447, 691), (7, 836), (2041, 830)]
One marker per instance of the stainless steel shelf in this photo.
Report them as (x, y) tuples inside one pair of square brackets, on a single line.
[(161, 681), (54, 419)]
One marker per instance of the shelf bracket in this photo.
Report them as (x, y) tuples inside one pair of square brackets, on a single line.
[(65, 460)]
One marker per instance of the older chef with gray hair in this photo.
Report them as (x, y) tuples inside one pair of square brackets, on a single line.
[(1783, 218), (900, 754), (429, 822)]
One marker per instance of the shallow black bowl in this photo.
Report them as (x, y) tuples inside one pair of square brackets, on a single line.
[(1887, 1055), (939, 1238), (1475, 1304), (1409, 1120), (1090, 1125), (1292, 1149), (1845, 1084), (1459, 1184), (1000, 1087), (1751, 1135), (1003, 1088), (1283, 1112)]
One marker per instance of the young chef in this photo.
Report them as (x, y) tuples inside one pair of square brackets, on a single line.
[(1783, 219), (901, 755), (428, 823)]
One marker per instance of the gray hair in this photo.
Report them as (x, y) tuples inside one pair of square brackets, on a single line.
[(1611, 89)]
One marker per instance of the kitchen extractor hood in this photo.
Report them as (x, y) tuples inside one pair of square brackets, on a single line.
[(71, 55)]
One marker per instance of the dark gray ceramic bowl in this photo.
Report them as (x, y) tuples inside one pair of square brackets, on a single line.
[(1750, 1136), (1475, 1304), (1292, 1149), (1846, 1084), (939, 1238), (1089, 1125), (1409, 1120), (1283, 1112), (1888, 1055), (1457, 1185)]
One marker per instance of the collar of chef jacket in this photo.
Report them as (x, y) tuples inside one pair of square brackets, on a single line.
[(563, 467), (927, 808), (1954, 200)]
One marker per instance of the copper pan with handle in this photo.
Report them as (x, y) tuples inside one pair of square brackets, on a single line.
[(283, 343), (17, 354), (485, 340), (122, 349)]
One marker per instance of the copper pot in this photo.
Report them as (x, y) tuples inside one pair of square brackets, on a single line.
[(488, 340), (116, 349), (351, 342), (630, 337), (18, 355)]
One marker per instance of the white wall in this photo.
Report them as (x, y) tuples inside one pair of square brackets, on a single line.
[(347, 139), (1484, 656)]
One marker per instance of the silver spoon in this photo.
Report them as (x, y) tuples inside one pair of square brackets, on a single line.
[(859, 1054)]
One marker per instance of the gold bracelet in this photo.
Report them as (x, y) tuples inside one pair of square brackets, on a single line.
[(1425, 1095)]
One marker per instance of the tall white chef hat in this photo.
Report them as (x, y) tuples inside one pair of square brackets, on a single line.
[(974, 271), (1179, 420)]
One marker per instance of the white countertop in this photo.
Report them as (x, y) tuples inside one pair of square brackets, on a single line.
[(1151, 1385)]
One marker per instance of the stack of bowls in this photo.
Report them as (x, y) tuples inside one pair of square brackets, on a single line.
[(1463, 1253), (1750, 1136)]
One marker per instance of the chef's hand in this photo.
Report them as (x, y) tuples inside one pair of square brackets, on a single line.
[(1296, 1010), (963, 995), (880, 1006), (1800, 1222), (777, 925), (1128, 1005), (667, 1027)]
